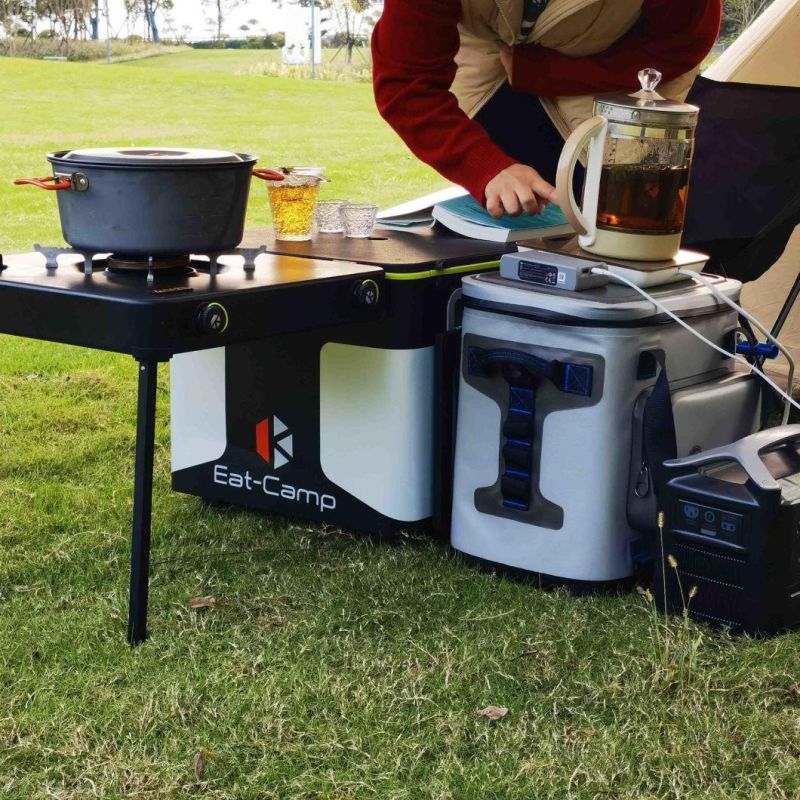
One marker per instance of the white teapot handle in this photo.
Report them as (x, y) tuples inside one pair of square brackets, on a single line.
[(591, 134)]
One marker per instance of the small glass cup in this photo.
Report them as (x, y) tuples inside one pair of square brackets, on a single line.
[(329, 216), (293, 201), (359, 220)]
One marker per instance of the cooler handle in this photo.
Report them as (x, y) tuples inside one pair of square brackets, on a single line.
[(566, 377), (454, 306), (591, 133)]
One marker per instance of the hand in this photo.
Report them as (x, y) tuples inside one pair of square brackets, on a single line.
[(516, 189), (506, 58)]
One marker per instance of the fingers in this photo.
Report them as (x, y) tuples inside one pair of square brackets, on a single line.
[(530, 202), (494, 206), (524, 200), (511, 202), (518, 189), (514, 203), (544, 190)]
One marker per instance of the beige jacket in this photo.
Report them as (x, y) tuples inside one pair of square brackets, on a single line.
[(571, 27)]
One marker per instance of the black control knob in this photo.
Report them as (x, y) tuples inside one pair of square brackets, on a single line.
[(212, 318), (366, 293)]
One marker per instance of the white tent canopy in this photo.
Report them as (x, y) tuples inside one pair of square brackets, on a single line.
[(768, 52)]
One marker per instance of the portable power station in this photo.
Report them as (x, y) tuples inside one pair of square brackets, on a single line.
[(732, 530)]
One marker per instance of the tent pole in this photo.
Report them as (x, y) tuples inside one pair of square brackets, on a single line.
[(787, 307)]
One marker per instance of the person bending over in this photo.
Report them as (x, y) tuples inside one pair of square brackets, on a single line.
[(485, 91)]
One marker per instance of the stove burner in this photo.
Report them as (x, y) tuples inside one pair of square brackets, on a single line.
[(162, 276), (177, 265)]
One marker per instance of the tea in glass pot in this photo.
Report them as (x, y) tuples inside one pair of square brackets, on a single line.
[(637, 176)]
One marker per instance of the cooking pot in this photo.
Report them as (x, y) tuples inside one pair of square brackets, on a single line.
[(161, 202)]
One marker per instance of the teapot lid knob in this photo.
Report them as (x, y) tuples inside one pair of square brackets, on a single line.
[(649, 78)]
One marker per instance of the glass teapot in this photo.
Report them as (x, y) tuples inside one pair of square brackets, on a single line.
[(637, 175)]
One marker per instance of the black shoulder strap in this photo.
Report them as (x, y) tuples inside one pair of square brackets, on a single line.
[(658, 425)]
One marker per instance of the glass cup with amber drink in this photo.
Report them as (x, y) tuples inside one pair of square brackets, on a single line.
[(293, 196)]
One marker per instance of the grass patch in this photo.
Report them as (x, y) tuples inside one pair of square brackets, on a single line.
[(230, 62), (329, 666), (83, 50)]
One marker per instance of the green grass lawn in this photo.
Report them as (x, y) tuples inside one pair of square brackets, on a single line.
[(332, 667), (227, 61)]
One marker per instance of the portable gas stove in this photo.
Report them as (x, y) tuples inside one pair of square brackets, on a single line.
[(154, 309)]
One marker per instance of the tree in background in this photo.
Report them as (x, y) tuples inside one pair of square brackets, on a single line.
[(18, 16), (738, 14), (169, 27), (71, 20), (151, 8), (133, 12), (354, 20), (146, 10), (67, 18), (220, 9)]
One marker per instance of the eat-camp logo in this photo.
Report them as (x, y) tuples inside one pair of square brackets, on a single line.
[(274, 442)]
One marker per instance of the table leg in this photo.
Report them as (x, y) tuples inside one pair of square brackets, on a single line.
[(142, 502)]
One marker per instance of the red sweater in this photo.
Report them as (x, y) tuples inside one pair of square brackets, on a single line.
[(413, 50)]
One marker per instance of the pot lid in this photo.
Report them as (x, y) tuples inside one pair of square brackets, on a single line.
[(647, 106), (149, 156)]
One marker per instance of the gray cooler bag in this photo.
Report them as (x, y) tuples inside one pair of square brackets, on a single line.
[(551, 467)]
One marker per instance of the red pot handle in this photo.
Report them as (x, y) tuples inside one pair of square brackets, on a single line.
[(51, 183), (268, 174)]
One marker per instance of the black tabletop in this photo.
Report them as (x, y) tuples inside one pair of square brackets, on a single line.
[(27, 271), (395, 251), (180, 312)]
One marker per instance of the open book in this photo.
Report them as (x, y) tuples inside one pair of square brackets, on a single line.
[(459, 212), (417, 213)]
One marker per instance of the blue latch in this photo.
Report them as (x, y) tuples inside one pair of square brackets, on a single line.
[(761, 350)]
